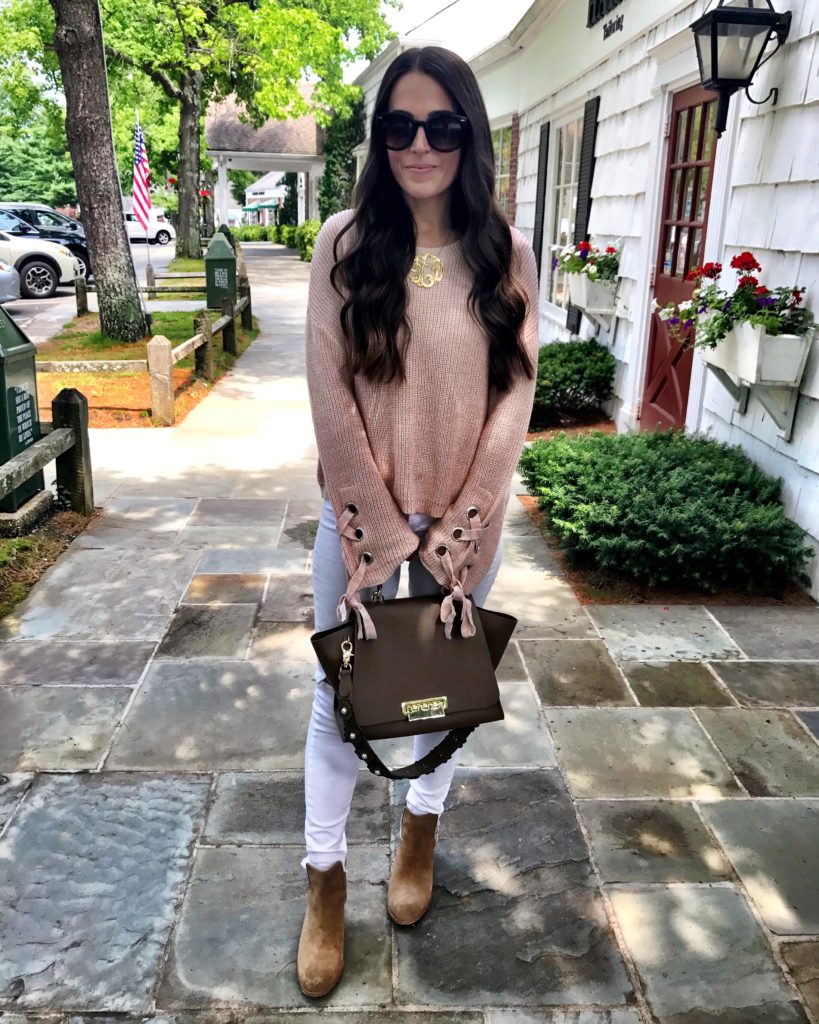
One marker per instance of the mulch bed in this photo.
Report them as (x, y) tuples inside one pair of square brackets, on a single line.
[(573, 425)]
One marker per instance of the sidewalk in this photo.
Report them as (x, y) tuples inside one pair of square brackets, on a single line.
[(636, 842)]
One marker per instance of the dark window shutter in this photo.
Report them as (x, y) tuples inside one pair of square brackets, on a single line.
[(584, 187), (540, 198)]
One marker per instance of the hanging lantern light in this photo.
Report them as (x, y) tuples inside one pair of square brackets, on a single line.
[(731, 41)]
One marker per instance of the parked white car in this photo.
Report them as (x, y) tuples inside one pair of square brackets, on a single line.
[(42, 265), (159, 229), (9, 283)]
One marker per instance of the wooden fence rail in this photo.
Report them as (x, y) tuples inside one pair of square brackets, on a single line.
[(67, 443)]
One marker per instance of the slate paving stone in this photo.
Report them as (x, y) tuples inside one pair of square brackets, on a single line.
[(322, 1017), (253, 512), (300, 524), (212, 715), (561, 1016), (239, 927), (289, 598), (651, 841), (228, 536), (90, 870), (285, 640), (765, 633), (802, 959), (208, 631), (520, 739), (771, 683), (151, 514), (516, 916), (675, 684), (252, 560), (225, 588), (659, 633), (768, 1013), (257, 807), (12, 788), (769, 751), (88, 662), (576, 672), (511, 668), (104, 594), (50, 728), (772, 844), (638, 752), (811, 720), (698, 948)]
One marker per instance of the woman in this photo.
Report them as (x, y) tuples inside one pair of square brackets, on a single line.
[(421, 345)]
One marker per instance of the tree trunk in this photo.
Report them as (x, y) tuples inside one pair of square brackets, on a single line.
[(188, 238), (78, 41)]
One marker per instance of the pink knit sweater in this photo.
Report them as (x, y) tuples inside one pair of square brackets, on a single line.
[(434, 444)]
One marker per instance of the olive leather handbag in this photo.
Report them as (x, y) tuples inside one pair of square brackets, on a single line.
[(411, 679)]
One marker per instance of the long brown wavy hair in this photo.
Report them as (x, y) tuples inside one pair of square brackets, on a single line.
[(374, 271)]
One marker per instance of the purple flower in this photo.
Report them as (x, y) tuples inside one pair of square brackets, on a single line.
[(702, 309), (584, 255), (688, 325), (674, 320), (767, 300), (727, 306), (554, 263)]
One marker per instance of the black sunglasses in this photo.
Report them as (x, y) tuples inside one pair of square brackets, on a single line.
[(444, 130)]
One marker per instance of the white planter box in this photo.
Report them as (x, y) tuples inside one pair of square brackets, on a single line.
[(594, 296), (755, 357)]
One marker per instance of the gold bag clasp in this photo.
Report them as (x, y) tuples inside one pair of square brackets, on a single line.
[(431, 707)]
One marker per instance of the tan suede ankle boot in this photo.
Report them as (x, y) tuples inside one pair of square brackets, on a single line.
[(320, 961), (410, 889)]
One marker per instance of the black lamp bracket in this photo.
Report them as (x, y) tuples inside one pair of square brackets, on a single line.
[(781, 30)]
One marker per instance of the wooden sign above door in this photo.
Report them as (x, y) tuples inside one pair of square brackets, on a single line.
[(599, 9)]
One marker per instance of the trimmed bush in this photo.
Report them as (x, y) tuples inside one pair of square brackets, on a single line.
[(251, 233), (572, 377), (288, 236), (306, 238), (666, 509)]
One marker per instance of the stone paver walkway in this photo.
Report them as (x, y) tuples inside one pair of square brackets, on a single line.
[(636, 842)]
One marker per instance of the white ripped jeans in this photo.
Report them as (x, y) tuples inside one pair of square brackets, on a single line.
[(331, 766)]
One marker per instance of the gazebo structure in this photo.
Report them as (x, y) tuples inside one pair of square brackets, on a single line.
[(291, 145)]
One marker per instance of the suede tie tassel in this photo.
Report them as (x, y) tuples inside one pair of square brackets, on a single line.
[(474, 533), (343, 525), (351, 601), (448, 613)]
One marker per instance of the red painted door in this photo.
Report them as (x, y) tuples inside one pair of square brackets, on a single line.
[(684, 219)]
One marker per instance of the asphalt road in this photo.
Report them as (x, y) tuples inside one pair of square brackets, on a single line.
[(40, 317)]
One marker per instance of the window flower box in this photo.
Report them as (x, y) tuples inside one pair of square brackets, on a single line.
[(591, 295), (747, 351)]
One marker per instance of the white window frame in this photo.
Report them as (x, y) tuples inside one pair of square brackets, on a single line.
[(549, 308), (498, 155)]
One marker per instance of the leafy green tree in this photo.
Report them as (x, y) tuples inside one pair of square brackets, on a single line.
[(240, 181), (341, 136), (289, 210), (34, 164)]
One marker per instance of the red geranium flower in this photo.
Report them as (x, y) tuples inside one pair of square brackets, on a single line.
[(748, 282), (745, 261), (712, 270), (761, 290), (797, 295), (584, 246), (693, 274), (611, 248)]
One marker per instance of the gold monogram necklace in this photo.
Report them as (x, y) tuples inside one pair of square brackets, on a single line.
[(427, 270)]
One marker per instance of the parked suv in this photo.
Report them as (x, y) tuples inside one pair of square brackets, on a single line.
[(42, 265), (52, 225), (159, 229)]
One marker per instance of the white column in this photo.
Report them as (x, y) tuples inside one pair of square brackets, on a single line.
[(221, 206), (300, 217)]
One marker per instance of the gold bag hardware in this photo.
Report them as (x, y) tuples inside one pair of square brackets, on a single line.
[(432, 707)]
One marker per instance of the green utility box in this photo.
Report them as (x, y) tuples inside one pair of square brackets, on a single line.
[(220, 271), (19, 416)]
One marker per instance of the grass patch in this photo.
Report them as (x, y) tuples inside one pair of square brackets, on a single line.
[(23, 560), (183, 265), (124, 399)]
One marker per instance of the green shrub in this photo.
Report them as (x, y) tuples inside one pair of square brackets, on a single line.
[(288, 236), (251, 233), (572, 377), (306, 234), (666, 509)]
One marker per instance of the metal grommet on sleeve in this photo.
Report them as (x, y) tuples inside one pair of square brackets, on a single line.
[(442, 549), (471, 512), (367, 556), (352, 507), (359, 533), (456, 533)]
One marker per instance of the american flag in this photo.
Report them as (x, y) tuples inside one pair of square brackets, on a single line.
[(142, 175)]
